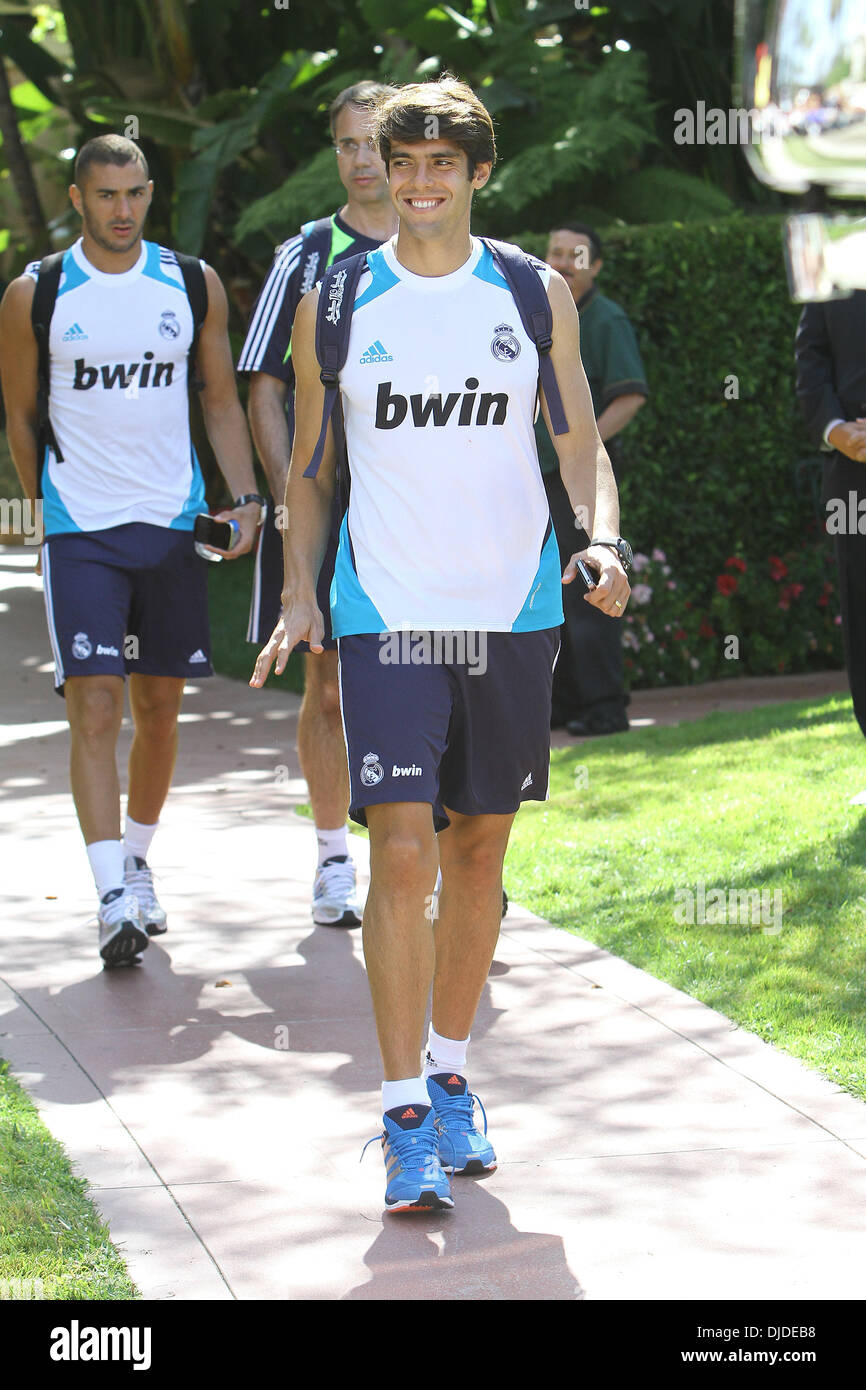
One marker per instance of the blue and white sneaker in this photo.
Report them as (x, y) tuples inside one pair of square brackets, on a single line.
[(461, 1148), (410, 1145), (335, 896)]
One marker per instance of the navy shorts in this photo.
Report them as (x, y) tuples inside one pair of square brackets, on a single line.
[(266, 604), (454, 719), (129, 599)]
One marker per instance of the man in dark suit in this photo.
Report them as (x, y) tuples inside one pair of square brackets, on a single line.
[(831, 386)]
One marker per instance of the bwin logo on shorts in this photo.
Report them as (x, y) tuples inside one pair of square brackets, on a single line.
[(505, 346), (372, 770), (82, 647)]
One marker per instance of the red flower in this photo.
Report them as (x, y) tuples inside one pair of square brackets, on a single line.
[(680, 634), (727, 584), (735, 563), (706, 629), (778, 568), (823, 601)]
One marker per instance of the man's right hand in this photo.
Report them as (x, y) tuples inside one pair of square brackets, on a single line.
[(297, 623), (850, 439)]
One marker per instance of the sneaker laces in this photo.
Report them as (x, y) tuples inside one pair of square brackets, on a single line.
[(461, 1109), (124, 907), (140, 882), (340, 875), (425, 1145)]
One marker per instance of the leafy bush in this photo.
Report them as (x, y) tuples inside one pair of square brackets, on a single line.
[(713, 463)]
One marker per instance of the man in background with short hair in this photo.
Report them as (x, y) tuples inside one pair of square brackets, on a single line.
[(364, 221)]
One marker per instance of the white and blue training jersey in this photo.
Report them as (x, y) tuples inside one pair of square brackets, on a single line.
[(448, 525), (119, 404)]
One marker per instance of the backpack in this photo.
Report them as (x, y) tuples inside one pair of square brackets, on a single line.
[(42, 308), (315, 250), (333, 324)]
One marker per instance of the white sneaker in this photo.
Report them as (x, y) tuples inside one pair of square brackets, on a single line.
[(335, 898), (138, 879), (122, 935)]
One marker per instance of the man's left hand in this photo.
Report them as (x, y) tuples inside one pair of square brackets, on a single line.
[(611, 592)]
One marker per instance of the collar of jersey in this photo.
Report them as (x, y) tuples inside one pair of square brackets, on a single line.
[(93, 273), (432, 284)]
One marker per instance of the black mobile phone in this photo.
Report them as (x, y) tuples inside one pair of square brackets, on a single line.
[(589, 577), (208, 531)]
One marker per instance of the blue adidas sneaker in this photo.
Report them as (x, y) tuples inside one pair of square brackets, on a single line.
[(461, 1148), (410, 1145)]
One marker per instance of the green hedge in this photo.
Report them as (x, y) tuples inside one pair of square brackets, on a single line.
[(705, 478)]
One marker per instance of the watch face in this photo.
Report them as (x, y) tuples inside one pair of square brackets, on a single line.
[(626, 554)]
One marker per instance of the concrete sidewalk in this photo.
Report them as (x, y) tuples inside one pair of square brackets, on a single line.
[(217, 1098)]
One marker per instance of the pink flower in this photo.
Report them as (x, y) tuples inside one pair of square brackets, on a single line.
[(694, 663), (838, 620), (672, 584), (639, 562), (641, 593), (659, 556)]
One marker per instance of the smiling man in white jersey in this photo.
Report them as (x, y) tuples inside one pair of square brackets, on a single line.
[(120, 487), (448, 529)]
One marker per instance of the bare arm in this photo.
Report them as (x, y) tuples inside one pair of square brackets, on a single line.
[(308, 505), (618, 414), (18, 368), (223, 413), (583, 461), (270, 428)]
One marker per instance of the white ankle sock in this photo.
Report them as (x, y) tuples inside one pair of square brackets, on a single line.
[(411, 1091), (137, 837), (106, 862), (332, 843), (444, 1054)]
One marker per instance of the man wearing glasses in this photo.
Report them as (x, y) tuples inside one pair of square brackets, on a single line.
[(365, 220)]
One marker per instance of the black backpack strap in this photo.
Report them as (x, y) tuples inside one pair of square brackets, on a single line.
[(41, 310), (196, 292), (315, 253), (333, 325), (536, 316)]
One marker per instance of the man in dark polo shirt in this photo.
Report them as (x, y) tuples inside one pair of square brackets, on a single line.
[(588, 693)]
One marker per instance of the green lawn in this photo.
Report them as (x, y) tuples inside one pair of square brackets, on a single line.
[(754, 800), (49, 1230)]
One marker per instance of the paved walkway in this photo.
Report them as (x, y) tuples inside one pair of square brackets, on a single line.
[(218, 1097)]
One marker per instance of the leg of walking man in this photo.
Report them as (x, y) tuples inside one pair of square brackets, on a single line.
[(322, 755)]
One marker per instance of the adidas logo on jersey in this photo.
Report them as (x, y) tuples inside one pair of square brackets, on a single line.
[(527, 782), (198, 656), (120, 375), (74, 334), (376, 353), (437, 410)]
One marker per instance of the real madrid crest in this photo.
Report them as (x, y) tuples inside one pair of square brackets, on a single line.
[(81, 646), (505, 346), (371, 770), (169, 326)]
